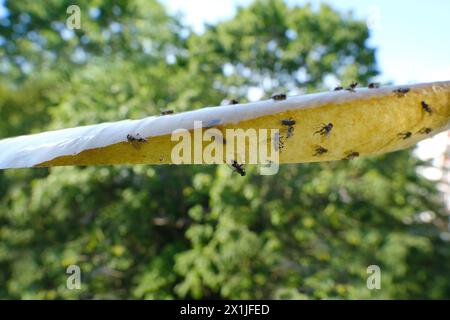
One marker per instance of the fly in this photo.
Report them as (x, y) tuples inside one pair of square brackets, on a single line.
[(136, 140), (425, 130), (166, 112), (320, 151), (426, 107), (404, 135), (290, 124), (352, 86), (351, 155), (401, 92), (239, 168), (325, 129), (279, 96)]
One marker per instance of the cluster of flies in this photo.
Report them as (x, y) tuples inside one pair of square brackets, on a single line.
[(401, 92), (324, 129), (136, 140)]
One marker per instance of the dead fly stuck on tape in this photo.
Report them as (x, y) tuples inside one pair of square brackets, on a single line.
[(319, 150), (166, 112), (338, 88), (239, 168), (401, 92), (404, 135), (279, 96), (351, 155), (426, 107), (324, 130), (352, 86), (233, 101), (425, 131), (290, 124), (136, 140), (373, 85)]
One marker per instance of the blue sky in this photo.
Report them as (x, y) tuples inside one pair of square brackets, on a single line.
[(412, 38)]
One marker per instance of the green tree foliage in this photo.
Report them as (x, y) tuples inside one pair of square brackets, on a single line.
[(167, 232)]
